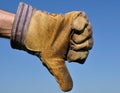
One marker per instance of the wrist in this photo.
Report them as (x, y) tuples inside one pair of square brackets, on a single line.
[(6, 22), (20, 25)]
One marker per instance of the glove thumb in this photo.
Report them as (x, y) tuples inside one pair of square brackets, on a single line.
[(58, 69)]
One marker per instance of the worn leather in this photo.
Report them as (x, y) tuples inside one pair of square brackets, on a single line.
[(59, 38)]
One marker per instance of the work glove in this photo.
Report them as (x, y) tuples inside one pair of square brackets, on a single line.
[(54, 38)]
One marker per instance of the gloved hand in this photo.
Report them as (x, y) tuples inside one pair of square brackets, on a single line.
[(53, 38)]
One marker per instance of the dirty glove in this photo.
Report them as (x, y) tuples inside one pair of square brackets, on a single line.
[(50, 37)]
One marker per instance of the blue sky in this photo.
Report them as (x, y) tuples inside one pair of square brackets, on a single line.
[(21, 72)]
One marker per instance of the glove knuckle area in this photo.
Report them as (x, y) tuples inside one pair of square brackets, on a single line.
[(83, 14), (78, 38), (90, 43), (80, 21), (89, 28)]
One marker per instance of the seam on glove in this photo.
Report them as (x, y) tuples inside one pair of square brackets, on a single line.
[(20, 26)]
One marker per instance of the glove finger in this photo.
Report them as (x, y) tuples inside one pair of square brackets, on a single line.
[(83, 14), (77, 56), (78, 38), (59, 70), (79, 23), (87, 45)]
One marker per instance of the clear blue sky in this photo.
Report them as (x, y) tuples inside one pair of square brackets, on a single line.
[(21, 72)]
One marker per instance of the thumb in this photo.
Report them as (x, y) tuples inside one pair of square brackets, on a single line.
[(58, 69)]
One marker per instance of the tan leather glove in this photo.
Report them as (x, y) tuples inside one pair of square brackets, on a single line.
[(52, 38)]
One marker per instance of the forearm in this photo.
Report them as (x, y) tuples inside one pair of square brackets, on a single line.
[(6, 22)]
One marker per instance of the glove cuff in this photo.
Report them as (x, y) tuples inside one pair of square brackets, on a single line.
[(20, 26)]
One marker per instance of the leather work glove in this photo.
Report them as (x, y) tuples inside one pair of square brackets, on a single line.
[(53, 38)]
